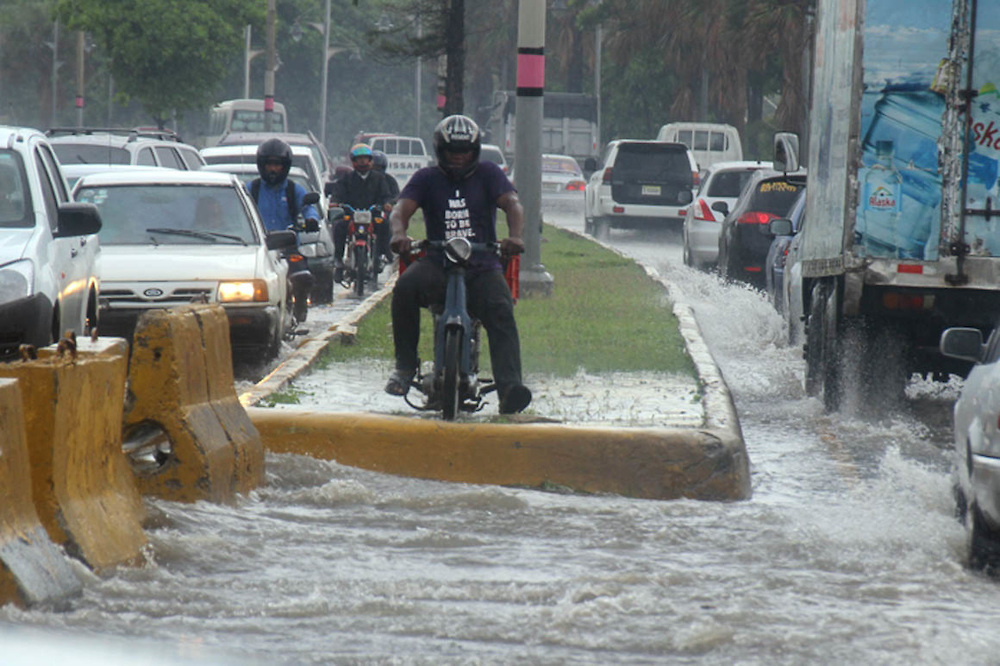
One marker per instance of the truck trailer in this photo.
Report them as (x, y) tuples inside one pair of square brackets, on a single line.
[(902, 238)]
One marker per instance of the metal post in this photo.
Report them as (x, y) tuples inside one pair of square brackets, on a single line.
[(528, 140), (81, 49), (416, 84), (247, 33), (326, 74), (598, 37), (272, 64), (55, 67)]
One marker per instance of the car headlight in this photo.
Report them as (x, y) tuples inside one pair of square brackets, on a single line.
[(243, 291), (17, 281)]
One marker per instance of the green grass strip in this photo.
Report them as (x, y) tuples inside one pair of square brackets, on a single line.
[(604, 315)]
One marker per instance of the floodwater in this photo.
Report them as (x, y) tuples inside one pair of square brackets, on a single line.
[(847, 552)]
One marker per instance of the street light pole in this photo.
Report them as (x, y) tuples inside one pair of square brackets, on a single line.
[(272, 64), (416, 88), (326, 74), (81, 49)]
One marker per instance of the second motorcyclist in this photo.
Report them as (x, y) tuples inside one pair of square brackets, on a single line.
[(362, 188), (280, 202)]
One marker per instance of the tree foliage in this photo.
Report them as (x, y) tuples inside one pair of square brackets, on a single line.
[(170, 55)]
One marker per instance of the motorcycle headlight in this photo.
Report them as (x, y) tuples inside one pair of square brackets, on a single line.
[(17, 281), (243, 291), (362, 216), (458, 249)]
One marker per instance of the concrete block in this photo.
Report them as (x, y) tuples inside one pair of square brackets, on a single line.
[(181, 395)]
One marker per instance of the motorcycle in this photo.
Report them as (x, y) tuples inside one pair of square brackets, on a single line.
[(454, 384), (300, 279), (364, 262)]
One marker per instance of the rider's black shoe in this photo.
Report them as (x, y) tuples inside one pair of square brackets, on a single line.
[(399, 382), (514, 399)]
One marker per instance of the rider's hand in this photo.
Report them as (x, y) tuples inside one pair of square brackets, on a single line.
[(400, 244), (312, 225), (511, 246)]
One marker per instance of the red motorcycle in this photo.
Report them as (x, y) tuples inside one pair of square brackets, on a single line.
[(363, 264)]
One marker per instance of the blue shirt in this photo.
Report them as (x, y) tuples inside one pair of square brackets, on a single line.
[(466, 207), (273, 205)]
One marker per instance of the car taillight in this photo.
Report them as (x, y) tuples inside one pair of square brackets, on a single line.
[(576, 186), (606, 178), (755, 217), (702, 211)]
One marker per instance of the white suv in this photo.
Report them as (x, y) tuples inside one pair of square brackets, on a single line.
[(140, 146), (406, 155), (48, 247), (641, 183)]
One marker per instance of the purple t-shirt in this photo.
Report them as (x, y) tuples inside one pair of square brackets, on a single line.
[(466, 207)]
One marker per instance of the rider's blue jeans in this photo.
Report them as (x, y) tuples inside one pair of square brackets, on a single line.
[(489, 300)]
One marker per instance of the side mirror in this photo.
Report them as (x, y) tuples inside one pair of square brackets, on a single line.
[(721, 207), (781, 226), (684, 197), (311, 199), (786, 152), (965, 344), (281, 239), (78, 219)]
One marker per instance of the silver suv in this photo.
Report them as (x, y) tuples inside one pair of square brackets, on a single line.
[(48, 247), (139, 146)]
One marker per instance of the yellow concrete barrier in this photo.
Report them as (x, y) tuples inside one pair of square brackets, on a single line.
[(32, 569), (644, 463), (182, 407), (83, 490)]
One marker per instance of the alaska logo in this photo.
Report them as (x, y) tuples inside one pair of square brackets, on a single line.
[(882, 198)]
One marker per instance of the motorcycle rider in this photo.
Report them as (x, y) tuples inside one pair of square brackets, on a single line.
[(279, 201), (380, 161), (459, 197), (362, 188)]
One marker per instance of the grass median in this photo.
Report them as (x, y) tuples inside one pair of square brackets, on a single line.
[(605, 315)]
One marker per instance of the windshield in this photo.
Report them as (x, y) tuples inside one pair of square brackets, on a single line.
[(15, 197), (143, 213), (88, 153)]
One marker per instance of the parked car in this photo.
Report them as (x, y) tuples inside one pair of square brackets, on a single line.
[(562, 181), (326, 164), (783, 229), (302, 157), (144, 146), (745, 237), (492, 153), (48, 247), (721, 185), (188, 236), (977, 441), (640, 183)]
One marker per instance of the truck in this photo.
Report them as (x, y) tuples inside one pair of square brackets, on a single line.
[(569, 124), (902, 233)]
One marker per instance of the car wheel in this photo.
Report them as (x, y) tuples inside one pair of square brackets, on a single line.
[(588, 225), (602, 229), (983, 542)]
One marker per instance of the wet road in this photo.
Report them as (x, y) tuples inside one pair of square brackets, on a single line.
[(848, 551)]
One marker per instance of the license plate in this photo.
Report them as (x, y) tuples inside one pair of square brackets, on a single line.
[(650, 190)]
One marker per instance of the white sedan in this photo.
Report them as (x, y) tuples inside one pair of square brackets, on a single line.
[(563, 184), (721, 185), (170, 238), (977, 441)]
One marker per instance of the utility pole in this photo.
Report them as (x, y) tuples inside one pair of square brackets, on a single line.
[(81, 50), (528, 140), (272, 64)]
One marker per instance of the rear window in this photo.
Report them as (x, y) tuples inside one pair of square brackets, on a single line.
[(775, 196), (652, 161), (728, 183), (565, 165), (88, 153)]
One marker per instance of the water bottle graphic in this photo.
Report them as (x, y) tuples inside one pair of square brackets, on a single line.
[(911, 119), (881, 204)]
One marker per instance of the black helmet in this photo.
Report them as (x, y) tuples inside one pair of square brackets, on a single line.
[(458, 134), (274, 149), (380, 160)]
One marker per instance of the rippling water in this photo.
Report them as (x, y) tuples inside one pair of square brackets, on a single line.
[(848, 550)]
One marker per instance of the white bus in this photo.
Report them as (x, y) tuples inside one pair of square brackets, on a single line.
[(243, 115)]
